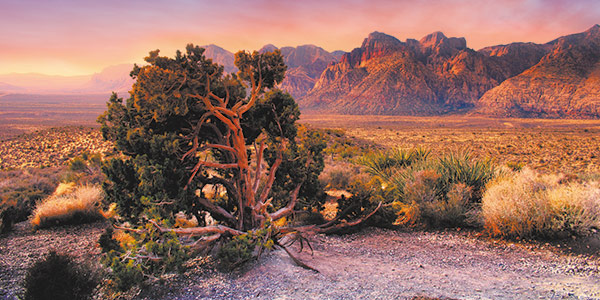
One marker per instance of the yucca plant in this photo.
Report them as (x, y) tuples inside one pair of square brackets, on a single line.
[(444, 190), (462, 167), (386, 164)]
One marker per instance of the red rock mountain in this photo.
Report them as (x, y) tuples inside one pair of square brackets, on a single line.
[(432, 76), (565, 82)]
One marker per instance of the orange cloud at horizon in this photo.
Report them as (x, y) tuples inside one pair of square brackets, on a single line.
[(81, 37)]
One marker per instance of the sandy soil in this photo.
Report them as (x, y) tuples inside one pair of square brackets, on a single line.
[(371, 264)]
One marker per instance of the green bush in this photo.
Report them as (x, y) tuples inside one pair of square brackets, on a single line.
[(444, 191), (244, 248), (140, 254), (77, 164), (440, 191), (367, 192), (58, 276)]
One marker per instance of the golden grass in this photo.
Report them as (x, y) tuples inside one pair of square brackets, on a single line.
[(64, 188), (525, 204), (81, 205)]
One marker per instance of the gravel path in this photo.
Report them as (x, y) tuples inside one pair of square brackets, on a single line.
[(372, 264), (385, 264)]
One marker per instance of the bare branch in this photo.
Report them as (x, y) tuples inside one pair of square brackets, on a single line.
[(198, 230), (259, 157), (330, 229), (255, 90), (222, 147), (217, 165), (216, 210), (129, 229), (288, 209), (204, 241), (271, 178)]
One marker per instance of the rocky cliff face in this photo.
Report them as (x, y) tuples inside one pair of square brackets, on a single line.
[(305, 65), (221, 56), (387, 76), (565, 82)]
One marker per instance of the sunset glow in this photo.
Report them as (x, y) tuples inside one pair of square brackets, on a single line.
[(67, 37)]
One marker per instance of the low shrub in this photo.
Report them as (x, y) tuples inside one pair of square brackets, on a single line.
[(20, 190), (136, 255), (367, 192), (338, 176), (80, 206), (527, 204), (58, 276), (443, 191), (244, 248)]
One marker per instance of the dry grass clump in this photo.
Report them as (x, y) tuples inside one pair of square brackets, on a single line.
[(527, 204), (80, 206)]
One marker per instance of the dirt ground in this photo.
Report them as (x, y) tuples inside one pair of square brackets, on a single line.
[(370, 264)]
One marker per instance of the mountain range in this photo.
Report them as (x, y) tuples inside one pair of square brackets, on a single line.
[(431, 76), (438, 75)]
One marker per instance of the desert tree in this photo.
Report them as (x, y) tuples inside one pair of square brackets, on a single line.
[(198, 141)]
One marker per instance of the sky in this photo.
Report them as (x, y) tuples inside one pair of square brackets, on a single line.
[(78, 37)]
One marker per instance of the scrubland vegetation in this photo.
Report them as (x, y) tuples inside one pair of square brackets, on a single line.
[(418, 189), (190, 177), (526, 203)]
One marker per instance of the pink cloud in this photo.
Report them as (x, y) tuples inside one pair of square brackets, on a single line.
[(85, 36)]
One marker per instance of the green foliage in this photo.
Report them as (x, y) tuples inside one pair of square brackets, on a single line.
[(85, 169), (366, 195), (270, 66), (187, 127), (137, 255), (58, 276), (464, 168), (106, 241), (515, 166), (445, 191), (7, 218), (242, 249), (77, 164), (126, 273), (302, 162), (386, 163)]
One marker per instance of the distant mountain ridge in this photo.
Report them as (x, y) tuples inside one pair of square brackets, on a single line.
[(305, 64), (438, 75), (431, 76), (565, 83), (113, 78)]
